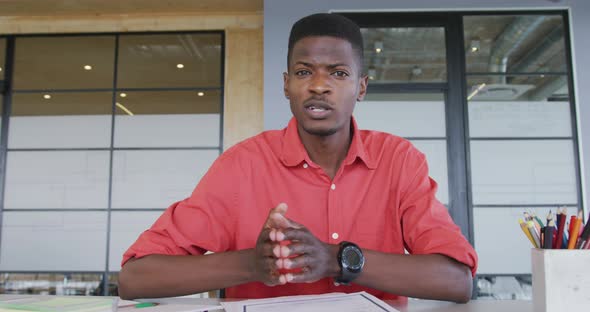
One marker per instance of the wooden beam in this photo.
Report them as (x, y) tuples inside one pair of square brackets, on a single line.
[(128, 23), (243, 85), (95, 7)]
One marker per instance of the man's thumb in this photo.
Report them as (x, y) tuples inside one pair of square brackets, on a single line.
[(281, 208), (276, 217), (280, 220)]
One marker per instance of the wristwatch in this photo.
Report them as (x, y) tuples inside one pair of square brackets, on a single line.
[(351, 262)]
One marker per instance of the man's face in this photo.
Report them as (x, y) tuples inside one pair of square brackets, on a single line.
[(323, 84)]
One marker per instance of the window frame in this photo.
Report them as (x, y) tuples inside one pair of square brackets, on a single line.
[(461, 205), (7, 94)]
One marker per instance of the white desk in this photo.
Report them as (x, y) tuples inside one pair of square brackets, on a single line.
[(413, 305), (416, 305), (472, 306)]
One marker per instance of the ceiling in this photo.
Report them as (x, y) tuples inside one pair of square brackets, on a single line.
[(527, 44), (44, 65), (144, 61), (110, 7), (493, 44)]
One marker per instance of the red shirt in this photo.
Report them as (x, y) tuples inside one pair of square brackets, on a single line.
[(381, 199)]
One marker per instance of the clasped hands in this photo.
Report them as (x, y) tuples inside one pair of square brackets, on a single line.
[(305, 259)]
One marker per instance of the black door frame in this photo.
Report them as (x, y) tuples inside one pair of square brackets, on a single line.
[(455, 101)]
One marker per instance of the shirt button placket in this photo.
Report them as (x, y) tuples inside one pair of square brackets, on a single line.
[(333, 215)]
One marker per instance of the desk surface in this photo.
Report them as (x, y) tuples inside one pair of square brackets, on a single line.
[(413, 305), (472, 306), (418, 305)]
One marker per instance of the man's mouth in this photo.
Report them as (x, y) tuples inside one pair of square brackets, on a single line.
[(318, 106), (316, 109)]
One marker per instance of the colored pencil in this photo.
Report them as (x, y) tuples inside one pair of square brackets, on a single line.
[(575, 229), (526, 232)]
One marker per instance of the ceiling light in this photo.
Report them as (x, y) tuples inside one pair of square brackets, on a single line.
[(121, 106), (474, 46), (416, 70), (0, 68), (481, 86), (179, 65), (123, 95), (47, 96), (378, 46), (372, 73), (200, 94), (87, 67)]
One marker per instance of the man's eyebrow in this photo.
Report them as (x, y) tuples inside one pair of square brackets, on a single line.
[(330, 66), (303, 63)]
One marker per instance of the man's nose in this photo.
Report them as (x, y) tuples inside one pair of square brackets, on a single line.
[(320, 84)]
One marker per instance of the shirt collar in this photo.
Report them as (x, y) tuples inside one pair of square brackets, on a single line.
[(293, 152)]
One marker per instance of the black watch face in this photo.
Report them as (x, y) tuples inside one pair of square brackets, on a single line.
[(352, 258)]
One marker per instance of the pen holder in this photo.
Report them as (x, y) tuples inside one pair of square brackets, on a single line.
[(561, 280)]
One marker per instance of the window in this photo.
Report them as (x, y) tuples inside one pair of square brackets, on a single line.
[(418, 111), (487, 97), (522, 136), (104, 133)]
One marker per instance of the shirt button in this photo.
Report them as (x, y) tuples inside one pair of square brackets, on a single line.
[(335, 235), (305, 165), (333, 187)]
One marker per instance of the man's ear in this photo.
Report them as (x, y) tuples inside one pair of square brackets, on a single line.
[(285, 83), (363, 82)]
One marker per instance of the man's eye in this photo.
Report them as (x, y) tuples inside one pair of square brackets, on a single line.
[(340, 73), (302, 72)]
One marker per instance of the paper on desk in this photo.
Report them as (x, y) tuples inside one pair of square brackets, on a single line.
[(354, 302), (129, 306)]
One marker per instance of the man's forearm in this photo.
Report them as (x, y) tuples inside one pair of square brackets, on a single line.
[(421, 276), (164, 276)]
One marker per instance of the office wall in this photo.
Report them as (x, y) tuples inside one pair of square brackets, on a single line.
[(279, 15)]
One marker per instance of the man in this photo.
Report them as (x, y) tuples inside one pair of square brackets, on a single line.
[(342, 198)]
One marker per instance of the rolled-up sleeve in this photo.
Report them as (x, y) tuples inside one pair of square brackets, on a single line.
[(426, 223), (203, 222)]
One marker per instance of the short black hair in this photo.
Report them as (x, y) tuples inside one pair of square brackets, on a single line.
[(330, 25)]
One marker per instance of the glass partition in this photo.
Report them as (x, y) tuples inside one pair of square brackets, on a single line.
[(521, 137), (104, 133), (60, 120), (405, 54), (170, 60), (168, 118), (70, 62), (528, 43), (419, 117)]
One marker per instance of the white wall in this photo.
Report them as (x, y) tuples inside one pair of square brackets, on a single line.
[(279, 15)]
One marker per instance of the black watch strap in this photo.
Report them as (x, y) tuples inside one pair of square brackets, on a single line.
[(351, 261)]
